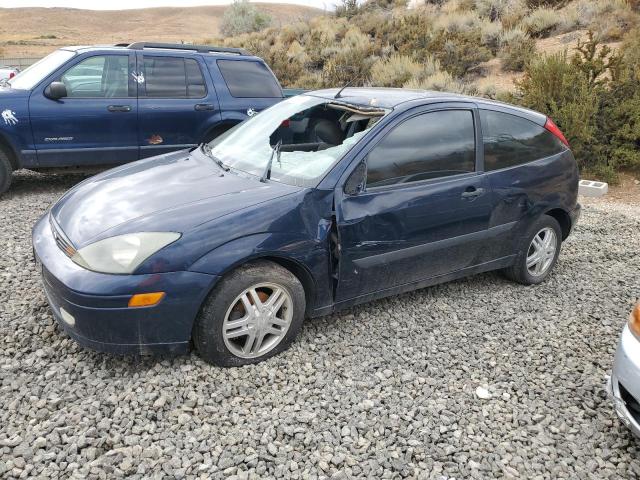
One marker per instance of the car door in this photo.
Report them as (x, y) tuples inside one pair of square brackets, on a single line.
[(175, 103), (425, 207), (96, 123)]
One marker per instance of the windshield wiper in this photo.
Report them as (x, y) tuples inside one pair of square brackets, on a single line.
[(274, 153), (206, 149)]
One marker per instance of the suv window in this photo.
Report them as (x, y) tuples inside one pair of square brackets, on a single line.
[(103, 76), (173, 77), (249, 79), (430, 145), (510, 140)]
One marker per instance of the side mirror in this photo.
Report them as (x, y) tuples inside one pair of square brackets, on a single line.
[(55, 91), (355, 183)]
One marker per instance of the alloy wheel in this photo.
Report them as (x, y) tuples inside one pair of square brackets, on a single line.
[(257, 320), (542, 251)]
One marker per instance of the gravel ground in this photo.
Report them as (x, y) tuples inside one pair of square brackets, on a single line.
[(384, 390)]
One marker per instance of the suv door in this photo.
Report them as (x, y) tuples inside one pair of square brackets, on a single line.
[(175, 103), (425, 207), (96, 123)]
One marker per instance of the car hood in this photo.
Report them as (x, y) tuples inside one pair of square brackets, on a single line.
[(173, 192), (8, 92)]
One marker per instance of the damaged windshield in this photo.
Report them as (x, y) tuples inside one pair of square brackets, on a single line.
[(312, 134)]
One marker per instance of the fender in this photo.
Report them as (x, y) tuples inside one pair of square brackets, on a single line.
[(15, 130), (307, 258), (14, 156)]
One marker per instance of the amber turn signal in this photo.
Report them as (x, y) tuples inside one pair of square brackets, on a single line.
[(634, 320), (146, 299)]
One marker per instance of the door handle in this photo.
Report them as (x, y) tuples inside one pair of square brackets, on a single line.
[(200, 107), (119, 108), (472, 192)]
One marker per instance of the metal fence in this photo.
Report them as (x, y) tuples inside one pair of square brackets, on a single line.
[(21, 63)]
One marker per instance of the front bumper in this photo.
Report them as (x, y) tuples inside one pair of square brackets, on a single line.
[(93, 307), (624, 385)]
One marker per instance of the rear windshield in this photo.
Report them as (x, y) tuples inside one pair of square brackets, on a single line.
[(247, 79)]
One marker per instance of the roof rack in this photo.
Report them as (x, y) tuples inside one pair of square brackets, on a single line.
[(184, 46)]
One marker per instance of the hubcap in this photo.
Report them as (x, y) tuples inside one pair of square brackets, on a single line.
[(541, 252), (257, 320)]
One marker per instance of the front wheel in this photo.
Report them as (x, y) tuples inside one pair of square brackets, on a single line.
[(254, 313), (538, 252)]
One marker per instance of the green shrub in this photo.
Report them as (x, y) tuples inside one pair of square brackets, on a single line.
[(558, 88), (350, 62), (494, 10), (347, 8), (490, 34), (541, 22), (609, 19), (243, 17), (439, 81), (394, 71), (516, 49), (546, 3), (594, 97)]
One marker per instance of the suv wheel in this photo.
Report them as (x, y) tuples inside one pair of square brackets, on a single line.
[(5, 172), (538, 253), (254, 313)]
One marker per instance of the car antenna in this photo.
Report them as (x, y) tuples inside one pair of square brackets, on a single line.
[(348, 84), (267, 171)]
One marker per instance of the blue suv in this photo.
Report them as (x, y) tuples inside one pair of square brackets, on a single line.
[(97, 106)]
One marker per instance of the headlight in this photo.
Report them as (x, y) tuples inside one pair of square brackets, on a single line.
[(124, 253), (634, 321)]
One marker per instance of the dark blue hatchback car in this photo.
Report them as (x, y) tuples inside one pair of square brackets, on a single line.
[(323, 201)]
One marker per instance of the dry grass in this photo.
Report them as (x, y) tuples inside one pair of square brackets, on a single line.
[(82, 27)]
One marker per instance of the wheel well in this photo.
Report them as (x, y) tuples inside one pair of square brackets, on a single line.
[(563, 219), (301, 273), (10, 153)]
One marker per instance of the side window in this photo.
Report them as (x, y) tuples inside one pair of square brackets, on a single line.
[(510, 140), (103, 76), (196, 87), (173, 77), (430, 145), (247, 79)]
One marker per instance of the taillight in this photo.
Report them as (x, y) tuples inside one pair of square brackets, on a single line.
[(11, 75), (553, 128)]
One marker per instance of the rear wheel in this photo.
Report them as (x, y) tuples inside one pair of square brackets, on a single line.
[(538, 252), (254, 313), (5, 172)]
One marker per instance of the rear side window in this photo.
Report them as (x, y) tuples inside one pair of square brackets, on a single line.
[(249, 79), (173, 77), (430, 145), (510, 140)]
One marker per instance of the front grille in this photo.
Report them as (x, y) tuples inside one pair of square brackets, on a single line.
[(632, 404), (61, 239)]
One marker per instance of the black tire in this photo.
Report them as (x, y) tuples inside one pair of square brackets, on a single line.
[(208, 329), (6, 172), (519, 272)]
